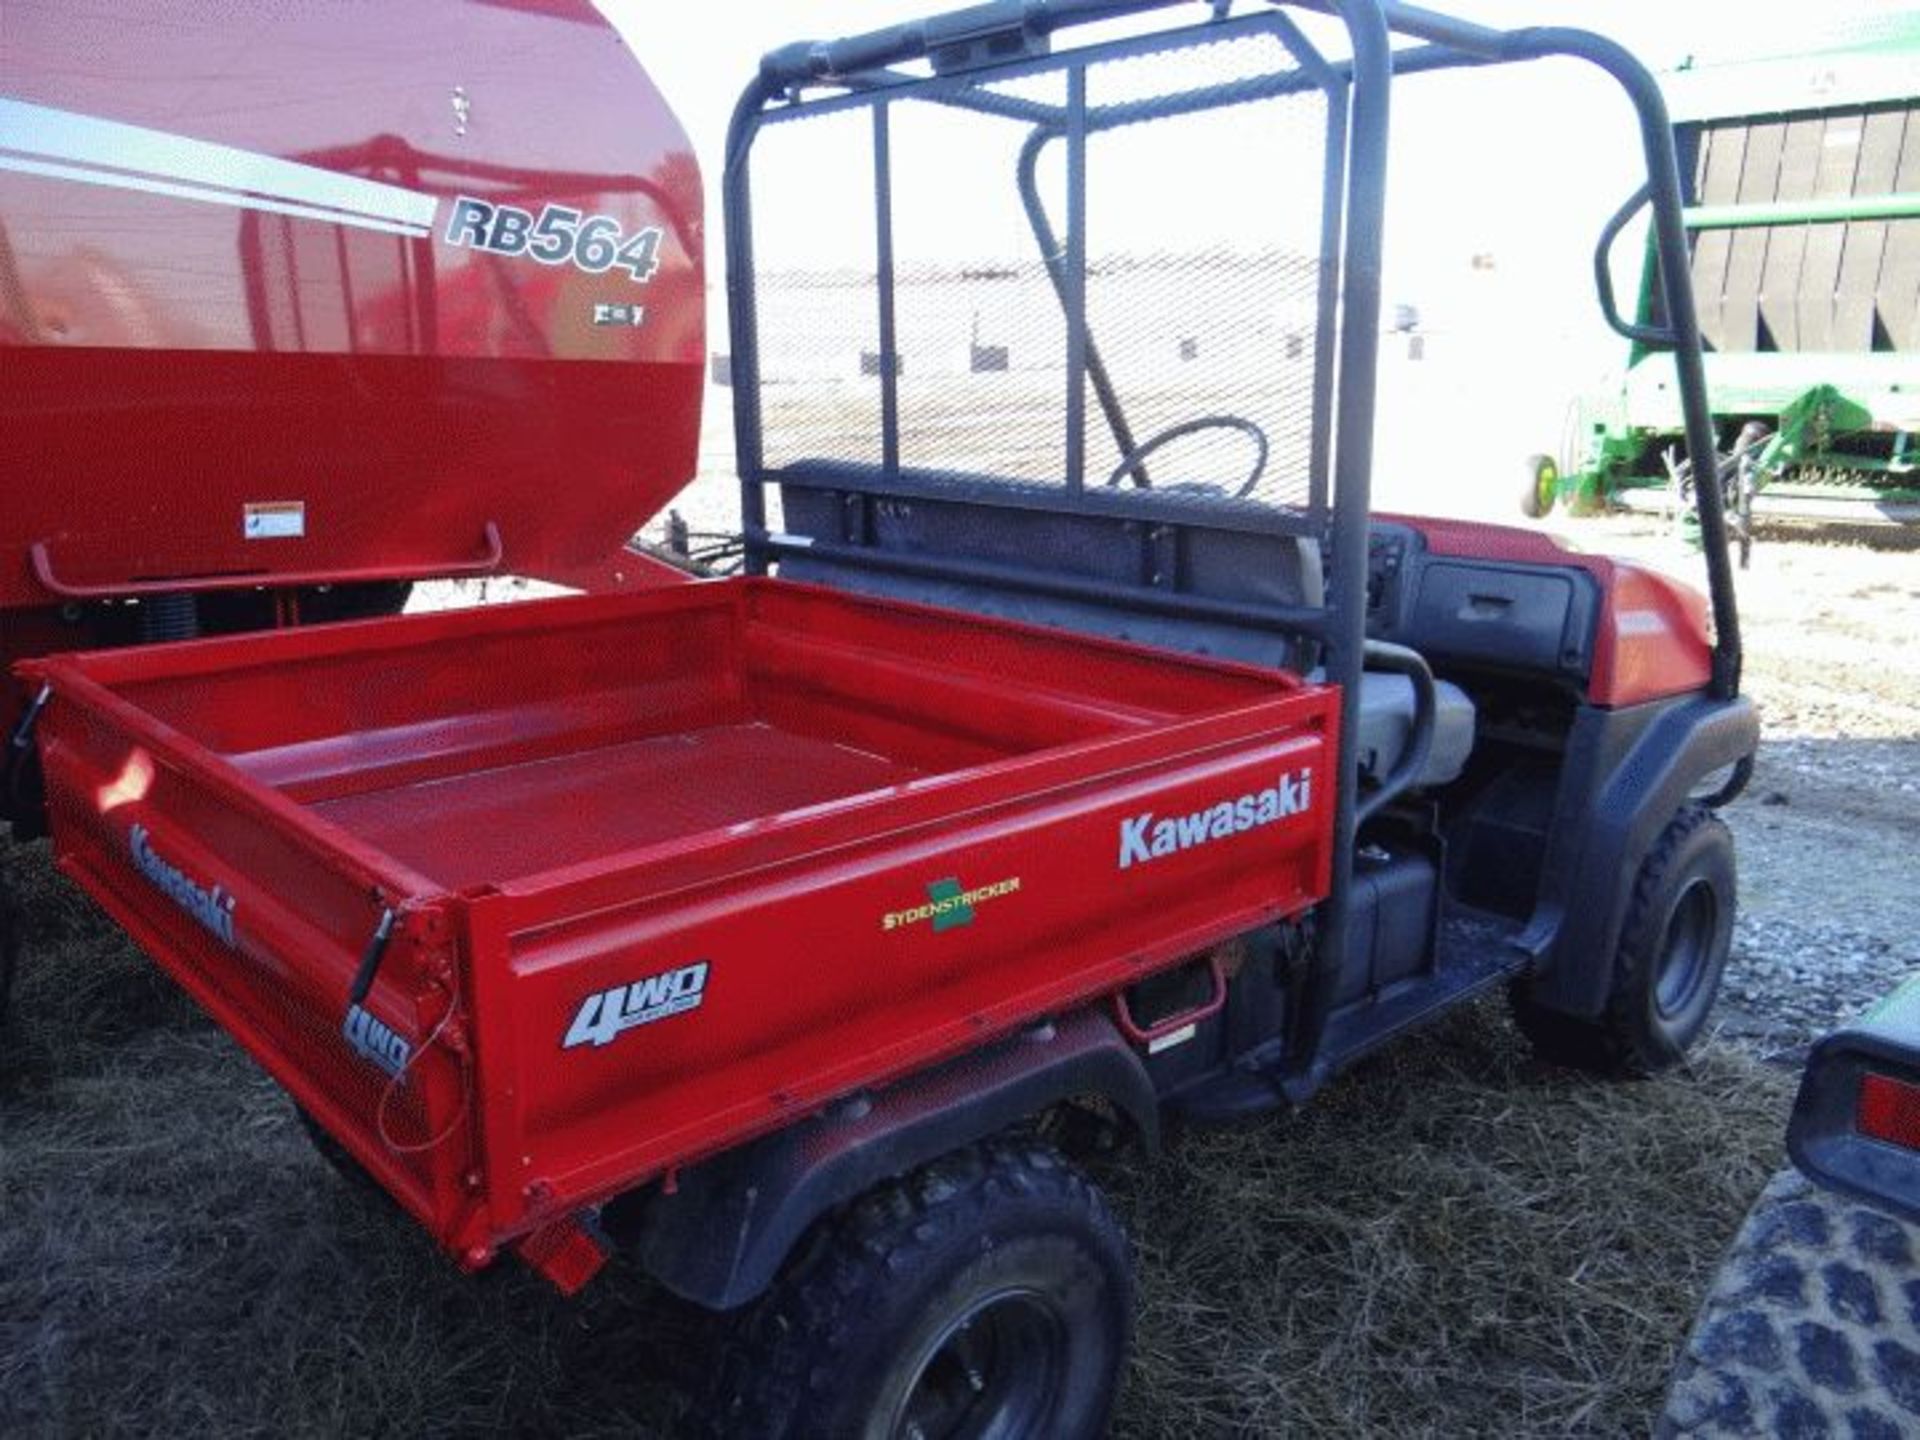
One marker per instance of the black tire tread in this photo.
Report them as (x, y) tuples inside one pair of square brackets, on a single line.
[(1808, 1328), (778, 1357), (1613, 1044)]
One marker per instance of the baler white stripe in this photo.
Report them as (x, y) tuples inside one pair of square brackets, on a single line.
[(68, 145), (212, 197)]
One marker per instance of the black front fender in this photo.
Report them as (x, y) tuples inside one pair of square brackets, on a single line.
[(1626, 777)]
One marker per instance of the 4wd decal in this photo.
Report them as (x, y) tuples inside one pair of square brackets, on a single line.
[(948, 905), (372, 1039), (610, 1013), (211, 905), (558, 235), (1147, 836)]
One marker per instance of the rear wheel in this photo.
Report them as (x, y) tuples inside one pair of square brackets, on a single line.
[(1542, 486), (988, 1295), (1666, 973)]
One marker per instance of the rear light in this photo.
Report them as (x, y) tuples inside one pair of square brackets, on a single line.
[(1856, 1123), (1889, 1110)]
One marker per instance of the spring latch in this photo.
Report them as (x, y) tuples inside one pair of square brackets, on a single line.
[(370, 959), (23, 732), (19, 756)]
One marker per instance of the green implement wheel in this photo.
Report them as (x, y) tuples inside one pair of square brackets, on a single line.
[(1810, 1326), (1542, 488)]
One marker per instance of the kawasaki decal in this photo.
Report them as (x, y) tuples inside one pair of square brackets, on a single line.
[(1148, 836), (210, 905)]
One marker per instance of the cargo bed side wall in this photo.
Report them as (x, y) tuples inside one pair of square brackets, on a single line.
[(389, 703), (906, 682), (264, 927), (654, 1021)]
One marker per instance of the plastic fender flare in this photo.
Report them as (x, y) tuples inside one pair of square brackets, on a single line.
[(1641, 793), (720, 1238)]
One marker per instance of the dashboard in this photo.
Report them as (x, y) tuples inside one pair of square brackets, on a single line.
[(1479, 614)]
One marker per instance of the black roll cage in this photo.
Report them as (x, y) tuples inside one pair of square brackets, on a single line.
[(1009, 38)]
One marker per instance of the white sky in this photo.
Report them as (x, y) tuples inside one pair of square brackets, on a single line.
[(703, 63), (1524, 162)]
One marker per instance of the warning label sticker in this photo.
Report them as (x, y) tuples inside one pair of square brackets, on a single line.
[(274, 520)]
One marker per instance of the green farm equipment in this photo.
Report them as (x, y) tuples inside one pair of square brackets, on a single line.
[(1804, 231)]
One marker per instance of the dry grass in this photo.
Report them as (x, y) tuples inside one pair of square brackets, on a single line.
[(1452, 1241)]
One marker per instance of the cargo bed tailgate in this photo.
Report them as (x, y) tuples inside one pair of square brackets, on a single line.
[(266, 916)]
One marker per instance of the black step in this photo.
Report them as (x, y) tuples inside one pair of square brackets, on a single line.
[(1360, 1029), (1475, 951)]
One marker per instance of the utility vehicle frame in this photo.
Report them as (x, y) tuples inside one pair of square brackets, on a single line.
[(788, 928)]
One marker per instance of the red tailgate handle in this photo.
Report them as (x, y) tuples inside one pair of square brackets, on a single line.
[(1206, 1010), (493, 551)]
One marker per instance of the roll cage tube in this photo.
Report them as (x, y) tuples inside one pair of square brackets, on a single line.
[(863, 64), (1451, 43)]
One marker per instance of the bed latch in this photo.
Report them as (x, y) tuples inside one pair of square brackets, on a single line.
[(23, 732), (371, 957)]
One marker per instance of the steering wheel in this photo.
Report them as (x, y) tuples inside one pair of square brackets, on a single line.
[(1134, 460)]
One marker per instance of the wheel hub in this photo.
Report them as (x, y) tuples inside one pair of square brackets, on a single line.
[(992, 1374), (1686, 949)]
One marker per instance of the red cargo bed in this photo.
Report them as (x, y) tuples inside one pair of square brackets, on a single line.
[(511, 820), (665, 871)]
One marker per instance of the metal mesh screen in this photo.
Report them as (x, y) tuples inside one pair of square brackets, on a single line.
[(1204, 262), (983, 340), (817, 291), (1203, 271)]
